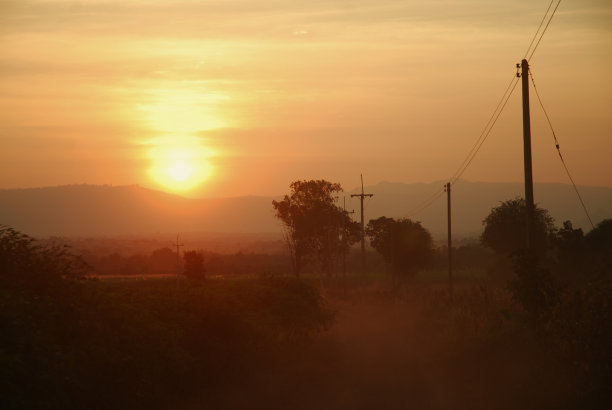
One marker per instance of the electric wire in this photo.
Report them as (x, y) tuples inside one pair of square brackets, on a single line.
[(484, 131), (539, 27), (475, 148), (544, 31), (559, 150), (425, 204), (494, 117), (481, 140), (505, 97)]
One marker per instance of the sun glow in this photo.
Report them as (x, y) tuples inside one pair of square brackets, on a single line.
[(185, 111), (180, 164)]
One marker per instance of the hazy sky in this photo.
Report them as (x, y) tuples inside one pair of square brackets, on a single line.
[(253, 94)]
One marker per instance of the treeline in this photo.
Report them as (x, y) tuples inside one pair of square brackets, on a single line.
[(164, 261)]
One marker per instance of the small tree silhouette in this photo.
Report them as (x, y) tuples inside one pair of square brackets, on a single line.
[(194, 265), (405, 245), (316, 228)]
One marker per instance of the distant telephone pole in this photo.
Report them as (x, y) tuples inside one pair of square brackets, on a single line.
[(527, 152), (361, 197), (447, 188), (178, 271), (344, 246)]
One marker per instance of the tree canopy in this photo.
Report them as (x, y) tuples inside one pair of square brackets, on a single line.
[(24, 262), (194, 265), (404, 244), (505, 227), (599, 240), (316, 228)]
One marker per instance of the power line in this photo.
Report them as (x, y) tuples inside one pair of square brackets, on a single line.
[(493, 118), (544, 31), (425, 204), (475, 148), (473, 151), (539, 27), (505, 97), (486, 131), (559, 150)]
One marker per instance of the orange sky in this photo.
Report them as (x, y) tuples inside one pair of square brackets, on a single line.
[(249, 95)]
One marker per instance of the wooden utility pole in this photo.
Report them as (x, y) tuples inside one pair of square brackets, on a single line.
[(178, 271), (447, 188), (527, 154), (344, 246), (361, 196)]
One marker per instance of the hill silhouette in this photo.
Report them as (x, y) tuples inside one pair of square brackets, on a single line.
[(90, 210), (84, 210)]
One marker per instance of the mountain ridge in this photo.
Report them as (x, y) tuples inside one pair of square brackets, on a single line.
[(99, 210)]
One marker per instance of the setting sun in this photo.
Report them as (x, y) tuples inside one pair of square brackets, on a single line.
[(180, 165)]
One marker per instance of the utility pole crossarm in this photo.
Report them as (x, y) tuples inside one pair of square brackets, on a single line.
[(178, 264), (352, 211), (361, 196)]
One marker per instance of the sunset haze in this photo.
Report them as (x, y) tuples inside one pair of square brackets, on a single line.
[(231, 98)]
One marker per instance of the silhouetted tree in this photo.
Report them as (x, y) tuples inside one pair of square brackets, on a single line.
[(599, 241), (194, 265), (505, 228), (405, 245), (314, 224), (137, 264), (571, 254), (24, 262), (163, 260), (533, 286)]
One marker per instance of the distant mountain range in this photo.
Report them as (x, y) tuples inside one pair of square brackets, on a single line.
[(89, 210)]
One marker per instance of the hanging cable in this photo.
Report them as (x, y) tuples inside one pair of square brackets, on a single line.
[(485, 133), (544, 31), (539, 27), (505, 97), (494, 116), (559, 150), (425, 204)]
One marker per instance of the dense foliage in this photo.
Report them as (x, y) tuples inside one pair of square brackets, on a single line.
[(405, 245), (505, 229)]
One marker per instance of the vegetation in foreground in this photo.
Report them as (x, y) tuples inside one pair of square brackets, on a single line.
[(279, 342), (69, 343)]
